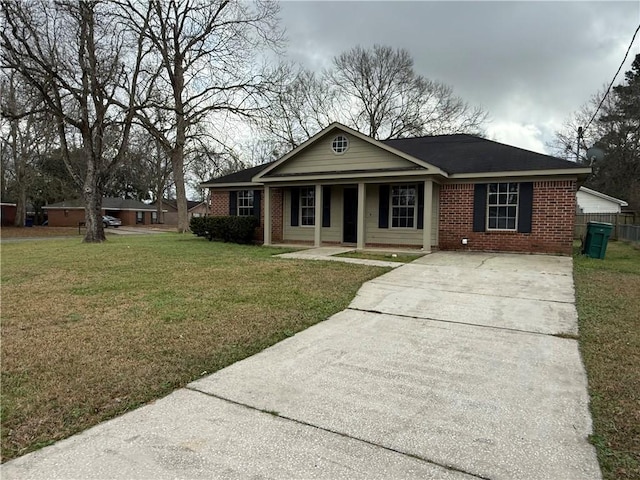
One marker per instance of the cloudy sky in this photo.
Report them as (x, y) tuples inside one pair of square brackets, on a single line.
[(529, 64)]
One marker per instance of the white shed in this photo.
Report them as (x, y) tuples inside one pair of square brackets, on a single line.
[(591, 201)]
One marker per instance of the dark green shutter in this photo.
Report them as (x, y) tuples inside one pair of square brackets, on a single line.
[(326, 206), (420, 189), (256, 203), (479, 207), (383, 207), (525, 207), (295, 206), (233, 203)]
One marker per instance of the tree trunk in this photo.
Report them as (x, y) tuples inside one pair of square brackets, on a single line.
[(92, 195), (177, 161), (21, 205)]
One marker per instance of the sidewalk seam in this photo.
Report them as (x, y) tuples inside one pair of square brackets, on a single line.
[(414, 317), (335, 432)]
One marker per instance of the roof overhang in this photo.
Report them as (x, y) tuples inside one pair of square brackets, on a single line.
[(604, 196), (580, 173), (230, 185)]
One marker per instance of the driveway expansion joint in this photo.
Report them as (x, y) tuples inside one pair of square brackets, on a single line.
[(482, 294), (344, 435), (565, 336)]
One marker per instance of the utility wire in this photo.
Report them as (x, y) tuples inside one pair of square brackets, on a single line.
[(612, 80)]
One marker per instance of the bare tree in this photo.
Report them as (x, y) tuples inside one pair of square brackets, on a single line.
[(206, 64), (29, 135), (85, 66), (565, 143), (389, 100), (302, 105)]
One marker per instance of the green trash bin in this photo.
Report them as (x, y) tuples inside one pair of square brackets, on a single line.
[(595, 242)]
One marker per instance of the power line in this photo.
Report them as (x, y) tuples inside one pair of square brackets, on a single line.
[(611, 84)]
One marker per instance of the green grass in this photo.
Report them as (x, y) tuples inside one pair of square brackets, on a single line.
[(90, 331), (383, 256), (608, 302)]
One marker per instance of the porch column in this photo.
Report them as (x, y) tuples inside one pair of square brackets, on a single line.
[(426, 221), (267, 215), (317, 240), (361, 220)]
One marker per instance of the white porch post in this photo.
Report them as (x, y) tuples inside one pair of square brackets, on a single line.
[(318, 217), (267, 215), (361, 220), (427, 220)]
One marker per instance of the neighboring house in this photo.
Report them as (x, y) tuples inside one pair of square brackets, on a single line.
[(449, 192), (170, 211), (71, 212), (7, 213), (591, 201)]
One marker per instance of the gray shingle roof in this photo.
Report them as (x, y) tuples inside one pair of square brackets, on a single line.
[(243, 176), (459, 153), (463, 153)]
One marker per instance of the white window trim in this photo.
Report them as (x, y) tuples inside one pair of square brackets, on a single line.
[(488, 205), (239, 207), (415, 207), (300, 208), (347, 144)]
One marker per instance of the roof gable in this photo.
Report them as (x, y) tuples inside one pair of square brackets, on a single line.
[(364, 154)]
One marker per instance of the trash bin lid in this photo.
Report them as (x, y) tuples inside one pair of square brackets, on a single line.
[(600, 224)]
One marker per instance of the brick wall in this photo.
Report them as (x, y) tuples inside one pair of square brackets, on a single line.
[(277, 214), (62, 218), (219, 202), (552, 221)]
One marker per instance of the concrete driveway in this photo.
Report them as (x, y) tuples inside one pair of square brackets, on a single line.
[(456, 366)]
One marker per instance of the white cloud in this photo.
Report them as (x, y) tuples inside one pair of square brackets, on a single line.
[(520, 135)]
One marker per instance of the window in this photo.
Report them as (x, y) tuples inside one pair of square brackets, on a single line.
[(502, 206), (403, 206), (245, 203), (139, 217), (340, 144), (154, 217), (307, 206)]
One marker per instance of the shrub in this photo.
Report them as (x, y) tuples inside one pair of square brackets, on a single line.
[(198, 226), (228, 229)]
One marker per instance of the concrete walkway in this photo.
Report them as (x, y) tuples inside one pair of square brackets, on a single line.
[(327, 253), (456, 366)]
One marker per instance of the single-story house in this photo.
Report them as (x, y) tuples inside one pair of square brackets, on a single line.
[(71, 212), (447, 192), (170, 211), (592, 201)]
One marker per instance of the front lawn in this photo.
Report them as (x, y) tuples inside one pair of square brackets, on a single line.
[(91, 331), (608, 302)]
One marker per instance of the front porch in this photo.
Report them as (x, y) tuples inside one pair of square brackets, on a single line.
[(401, 213)]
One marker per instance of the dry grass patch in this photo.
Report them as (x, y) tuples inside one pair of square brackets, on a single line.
[(608, 302), (91, 331), (39, 231)]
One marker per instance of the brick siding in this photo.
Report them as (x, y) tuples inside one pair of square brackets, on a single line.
[(552, 221), (277, 214)]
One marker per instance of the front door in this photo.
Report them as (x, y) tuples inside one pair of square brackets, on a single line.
[(350, 215)]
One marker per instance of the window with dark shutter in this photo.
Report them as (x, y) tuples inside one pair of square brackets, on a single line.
[(295, 207), (326, 206), (383, 207), (525, 207), (257, 194), (233, 203), (420, 220), (479, 207)]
